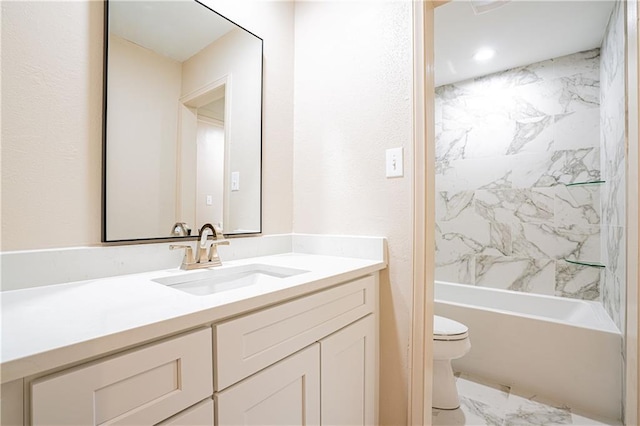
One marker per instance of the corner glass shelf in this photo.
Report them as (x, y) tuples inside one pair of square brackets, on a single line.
[(591, 182), (590, 264)]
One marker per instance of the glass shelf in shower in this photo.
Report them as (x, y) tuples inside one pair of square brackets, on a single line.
[(591, 182), (590, 264)]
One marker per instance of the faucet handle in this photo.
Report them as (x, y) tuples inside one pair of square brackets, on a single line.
[(188, 255)]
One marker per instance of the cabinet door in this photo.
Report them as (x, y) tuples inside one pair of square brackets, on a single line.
[(198, 415), (140, 387), (349, 381), (286, 393), (11, 403)]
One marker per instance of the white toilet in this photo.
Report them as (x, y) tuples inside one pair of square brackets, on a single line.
[(450, 341)]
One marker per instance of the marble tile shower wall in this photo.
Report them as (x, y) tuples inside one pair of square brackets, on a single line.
[(506, 147), (612, 159)]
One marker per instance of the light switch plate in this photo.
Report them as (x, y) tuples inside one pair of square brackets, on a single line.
[(394, 162), (235, 181)]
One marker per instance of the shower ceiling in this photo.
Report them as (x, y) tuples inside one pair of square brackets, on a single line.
[(521, 33)]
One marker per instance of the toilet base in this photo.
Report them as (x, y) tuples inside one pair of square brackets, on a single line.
[(445, 392)]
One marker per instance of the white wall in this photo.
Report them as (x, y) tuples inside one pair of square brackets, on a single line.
[(210, 173), (52, 118), (51, 123), (273, 21), (353, 100), (235, 57), (142, 133)]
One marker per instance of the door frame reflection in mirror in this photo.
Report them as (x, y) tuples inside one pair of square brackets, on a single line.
[(196, 98), (186, 189)]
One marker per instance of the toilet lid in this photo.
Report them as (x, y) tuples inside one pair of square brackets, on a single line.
[(448, 329)]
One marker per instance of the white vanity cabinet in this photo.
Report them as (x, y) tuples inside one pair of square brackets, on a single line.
[(143, 386), (309, 361)]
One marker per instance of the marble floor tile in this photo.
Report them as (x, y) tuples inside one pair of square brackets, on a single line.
[(525, 410), (486, 403), (482, 389)]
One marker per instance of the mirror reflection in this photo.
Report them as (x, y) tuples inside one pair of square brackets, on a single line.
[(183, 121)]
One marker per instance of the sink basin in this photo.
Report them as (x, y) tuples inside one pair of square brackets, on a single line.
[(216, 280)]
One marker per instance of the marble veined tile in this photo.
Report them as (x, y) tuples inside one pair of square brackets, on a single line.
[(474, 173), (556, 167), (527, 411), (463, 237), (577, 205), (613, 201), (532, 135), (538, 99), (454, 205), (478, 389), (612, 51), (515, 205), (450, 92), (451, 144), (586, 63), (479, 413), (487, 403), (613, 142), (577, 281), (556, 242), (579, 92), (576, 130), (518, 274), (520, 76), (612, 297), (492, 136), (460, 270)]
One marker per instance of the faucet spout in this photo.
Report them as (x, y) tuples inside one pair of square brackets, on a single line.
[(206, 230)]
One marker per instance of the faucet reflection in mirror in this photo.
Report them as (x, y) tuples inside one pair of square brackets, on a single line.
[(206, 249), (180, 229)]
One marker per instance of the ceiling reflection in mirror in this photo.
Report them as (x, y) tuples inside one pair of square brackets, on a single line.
[(183, 108)]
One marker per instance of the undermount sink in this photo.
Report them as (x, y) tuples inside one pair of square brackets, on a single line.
[(216, 280)]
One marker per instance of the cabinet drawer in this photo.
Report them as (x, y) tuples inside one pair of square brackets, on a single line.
[(144, 386), (252, 342)]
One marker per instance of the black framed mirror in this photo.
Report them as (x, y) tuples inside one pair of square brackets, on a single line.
[(182, 122)]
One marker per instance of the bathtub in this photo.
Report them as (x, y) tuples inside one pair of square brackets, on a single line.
[(567, 350)]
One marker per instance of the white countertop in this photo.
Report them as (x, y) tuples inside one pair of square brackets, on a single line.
[(52, 326)]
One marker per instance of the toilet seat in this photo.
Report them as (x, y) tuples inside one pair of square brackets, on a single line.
[(445, 329)]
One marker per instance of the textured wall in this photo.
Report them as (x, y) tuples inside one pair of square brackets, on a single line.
[(237, 57), (52, 118), (142, 151), (51, 123), (353, 94), (506, 145), (612, 155)]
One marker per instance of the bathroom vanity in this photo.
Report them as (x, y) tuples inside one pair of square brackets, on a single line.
[(295, 344)]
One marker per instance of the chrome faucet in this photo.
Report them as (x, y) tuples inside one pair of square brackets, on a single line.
[(206, 249)]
